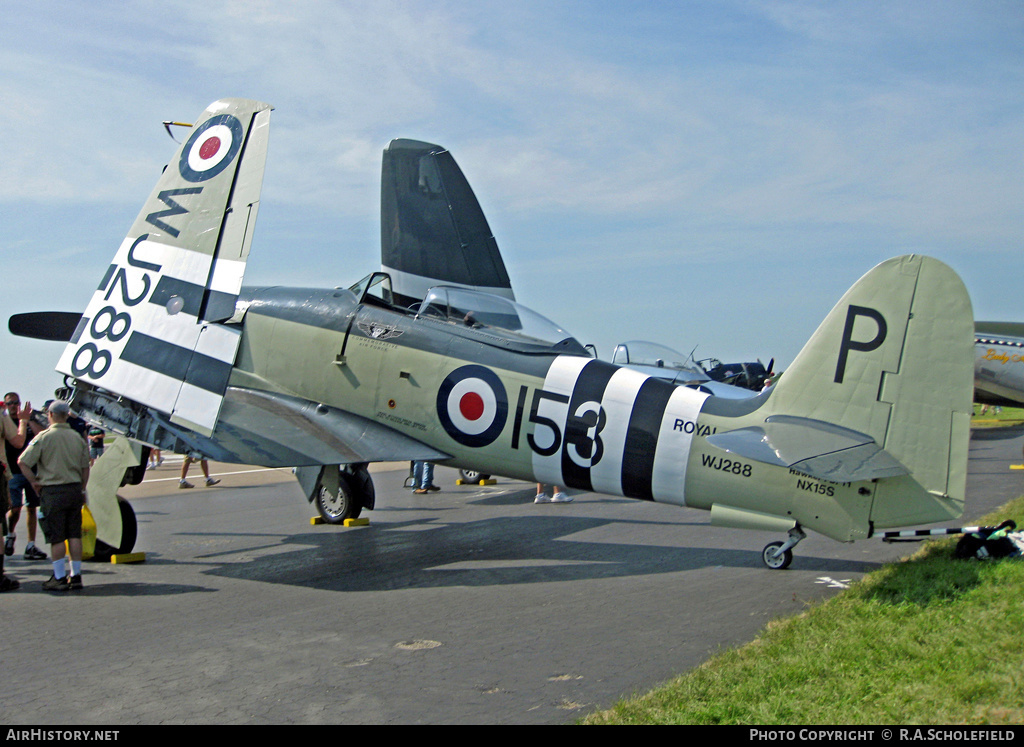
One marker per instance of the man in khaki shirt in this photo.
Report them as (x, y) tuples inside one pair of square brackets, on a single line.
[(56, 464)]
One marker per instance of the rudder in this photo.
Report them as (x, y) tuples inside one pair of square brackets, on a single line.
[(894, 360)]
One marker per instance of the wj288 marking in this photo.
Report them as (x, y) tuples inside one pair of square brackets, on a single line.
[(726, 465)]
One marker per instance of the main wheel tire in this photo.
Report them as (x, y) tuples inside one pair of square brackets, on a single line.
[(129, 533), (344, 504), (362, 483), (776, 562), (472, 475)]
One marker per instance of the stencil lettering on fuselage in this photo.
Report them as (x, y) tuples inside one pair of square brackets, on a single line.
[(600, 427)]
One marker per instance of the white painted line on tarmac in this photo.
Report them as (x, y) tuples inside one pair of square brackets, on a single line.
[(284, 470)]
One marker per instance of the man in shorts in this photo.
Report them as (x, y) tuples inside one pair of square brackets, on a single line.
[(6, 582), (18, 429), (56, 464), (96, 436)]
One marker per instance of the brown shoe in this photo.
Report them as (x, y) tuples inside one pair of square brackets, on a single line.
[(55, 584)]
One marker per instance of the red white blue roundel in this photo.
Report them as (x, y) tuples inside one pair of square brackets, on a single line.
[(472, 405), (211, 148)]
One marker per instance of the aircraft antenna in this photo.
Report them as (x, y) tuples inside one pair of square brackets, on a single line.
[(168, 124)]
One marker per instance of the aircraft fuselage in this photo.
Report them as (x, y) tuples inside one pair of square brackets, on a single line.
[(529, 411)]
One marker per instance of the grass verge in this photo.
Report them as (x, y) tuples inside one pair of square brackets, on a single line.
[(929, 640), (992, 418)]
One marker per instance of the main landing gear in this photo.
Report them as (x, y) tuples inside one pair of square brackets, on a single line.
[(472, 476), (778, 555), (342, 492)]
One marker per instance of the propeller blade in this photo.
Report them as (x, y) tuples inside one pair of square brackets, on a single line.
[(58, 326)]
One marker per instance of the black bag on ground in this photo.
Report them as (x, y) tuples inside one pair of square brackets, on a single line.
[(988, 542)]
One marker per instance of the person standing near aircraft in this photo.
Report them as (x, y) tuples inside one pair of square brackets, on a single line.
[(557, 496), (56, 464), (6, 583), (423, 478), (183, 483), (20, 491), (96, 436)]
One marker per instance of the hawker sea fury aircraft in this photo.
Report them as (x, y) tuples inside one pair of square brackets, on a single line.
[(868, 429)]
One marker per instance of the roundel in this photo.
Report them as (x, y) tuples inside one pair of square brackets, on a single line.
[(472, 405), (211, 148)]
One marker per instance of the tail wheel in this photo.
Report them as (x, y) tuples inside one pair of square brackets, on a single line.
[(335, 507), (774, 559)]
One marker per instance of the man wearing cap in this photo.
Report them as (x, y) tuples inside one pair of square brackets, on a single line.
[(56, 464)]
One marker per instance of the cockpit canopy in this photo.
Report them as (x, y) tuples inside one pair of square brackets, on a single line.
[(640, 353), (491, 315), (495, 314), (374, 289)]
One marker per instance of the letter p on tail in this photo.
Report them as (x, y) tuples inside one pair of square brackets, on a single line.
[(895, 360)]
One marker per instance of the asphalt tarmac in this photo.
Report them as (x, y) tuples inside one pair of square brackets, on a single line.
[(472, 605)]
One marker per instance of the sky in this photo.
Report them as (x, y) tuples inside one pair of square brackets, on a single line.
[(711, 174)]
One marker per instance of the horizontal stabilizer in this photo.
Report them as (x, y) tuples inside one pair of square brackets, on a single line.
[(57, 326), (812, 447)]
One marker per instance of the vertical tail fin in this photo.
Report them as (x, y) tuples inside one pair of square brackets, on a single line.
[(432, 229), (149, 332), (894, 360)]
